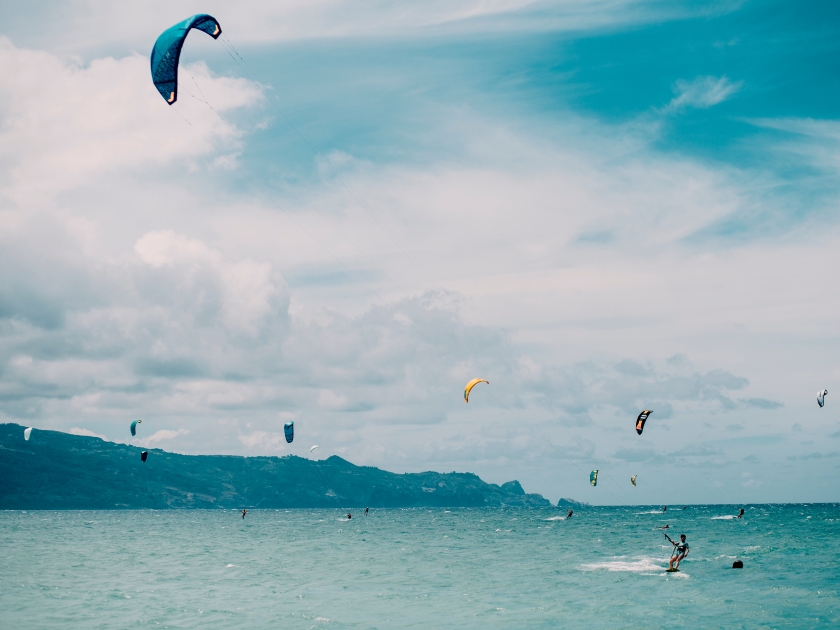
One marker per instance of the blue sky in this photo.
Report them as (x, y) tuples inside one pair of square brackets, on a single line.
[(600, 207)]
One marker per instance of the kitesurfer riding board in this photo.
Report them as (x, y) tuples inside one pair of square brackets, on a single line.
[(680, 552)]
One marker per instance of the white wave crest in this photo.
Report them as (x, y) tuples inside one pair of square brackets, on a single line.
[(640, 565)]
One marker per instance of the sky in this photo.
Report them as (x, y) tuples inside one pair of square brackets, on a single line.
[(355, 208)]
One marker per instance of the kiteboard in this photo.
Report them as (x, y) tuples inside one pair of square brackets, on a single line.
[(672, 570)]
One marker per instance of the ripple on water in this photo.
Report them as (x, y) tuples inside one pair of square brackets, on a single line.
[(292, 569)]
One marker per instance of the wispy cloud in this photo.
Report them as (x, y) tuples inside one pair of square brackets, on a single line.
[(808, 141), (296, 20), (701, 93), (810, 456)]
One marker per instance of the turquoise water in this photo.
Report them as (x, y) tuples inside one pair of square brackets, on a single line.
[(497, 568)]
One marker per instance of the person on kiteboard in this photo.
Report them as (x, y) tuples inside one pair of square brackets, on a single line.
[(680, 552)]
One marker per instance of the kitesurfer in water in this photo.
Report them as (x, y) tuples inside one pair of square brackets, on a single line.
[(349, 516), (244, 512), (366, 511), (666, 526), (741, 513), (680, 552), (664, 508), (569, 515)]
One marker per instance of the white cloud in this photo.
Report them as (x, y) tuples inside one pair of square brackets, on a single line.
[(66, 123), (248, 291), (264, 441), (97, 23), (812, 142), (135, 280), (328, 398), (87, 432), (702, 92), (163, 435)]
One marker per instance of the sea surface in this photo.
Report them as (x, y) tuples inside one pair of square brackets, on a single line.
[(421, 568)]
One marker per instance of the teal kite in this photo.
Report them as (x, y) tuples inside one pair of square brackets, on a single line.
[(167, 52)]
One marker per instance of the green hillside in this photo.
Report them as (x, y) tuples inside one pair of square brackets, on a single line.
[(60, 471)]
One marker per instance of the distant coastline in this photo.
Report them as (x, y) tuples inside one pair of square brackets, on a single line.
[(55, 470)]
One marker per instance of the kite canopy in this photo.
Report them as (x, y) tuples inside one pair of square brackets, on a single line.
[(593, 478), (26, 433), (640, 421), (472, 384), (289, 430), (134, 427), (313, 448), (633, 479), (144, 455), (167, 52), (821, 397)]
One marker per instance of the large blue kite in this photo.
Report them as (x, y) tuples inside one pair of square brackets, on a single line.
[(167, 52)]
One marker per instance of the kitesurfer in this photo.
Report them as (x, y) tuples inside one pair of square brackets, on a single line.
[(666, 526), (680, 552), (366, 511), (664, 508), (569, 515), (349, 516), (741, 513), (244, 512)]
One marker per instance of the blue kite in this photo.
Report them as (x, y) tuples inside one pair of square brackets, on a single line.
[(289, 430), (167, 52)]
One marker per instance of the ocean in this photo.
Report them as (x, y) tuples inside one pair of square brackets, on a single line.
[(421, 568)]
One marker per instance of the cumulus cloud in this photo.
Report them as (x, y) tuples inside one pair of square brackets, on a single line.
[(66, 122), (87, 432), (245, 292), (558, 259), (264, 441), (702, 93), (163, 435)]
